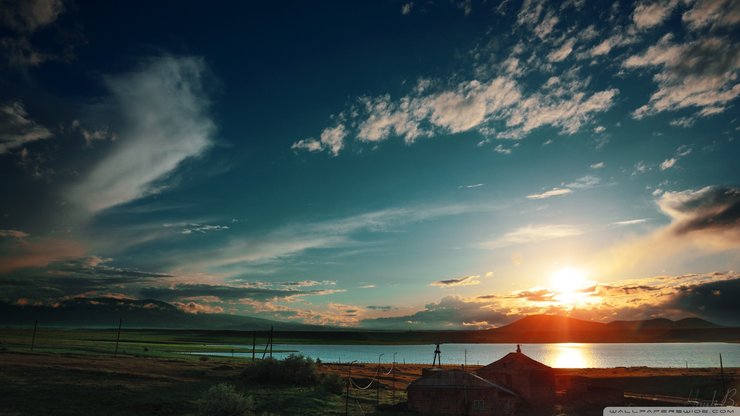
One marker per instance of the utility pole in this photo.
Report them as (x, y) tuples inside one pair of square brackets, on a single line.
[(393, 376), (118, 338), (377, 390), (271, 332), (722, 374), (466, 359), (33, 338), (254, 343), (349, 380)]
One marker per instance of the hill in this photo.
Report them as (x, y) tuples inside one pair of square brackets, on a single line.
[(145, 313)]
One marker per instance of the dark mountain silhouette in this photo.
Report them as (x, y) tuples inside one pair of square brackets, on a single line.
[(145, 313), (105, 312)]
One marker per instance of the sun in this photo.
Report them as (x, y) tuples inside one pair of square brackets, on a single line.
[(569, 283)]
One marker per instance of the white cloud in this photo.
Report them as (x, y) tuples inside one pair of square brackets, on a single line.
[(605, 46), (13, 234), (598, 165), (585, 182), (701, 73), (630, 222), (460, 281), (550, 193), (332, 140), (562, 52), (533, 234), (713, 13), (203, 228), (649, 14), (640, 167), (17, 128), (406, 8), (165, 108), (668, 163)]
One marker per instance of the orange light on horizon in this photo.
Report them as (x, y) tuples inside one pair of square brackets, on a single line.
[(569, 283)]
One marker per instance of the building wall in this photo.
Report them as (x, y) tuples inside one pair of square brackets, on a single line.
[(536, 387), (448, 401)]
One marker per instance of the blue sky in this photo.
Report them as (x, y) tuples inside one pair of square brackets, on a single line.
[(383, 164)]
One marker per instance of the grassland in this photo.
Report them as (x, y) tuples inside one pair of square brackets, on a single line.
[(72, 372)]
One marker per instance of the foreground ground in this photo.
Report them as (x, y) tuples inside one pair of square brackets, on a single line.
[(71, 384)]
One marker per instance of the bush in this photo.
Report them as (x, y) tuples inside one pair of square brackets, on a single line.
[(333, 383), (224, 400), (293, 370)]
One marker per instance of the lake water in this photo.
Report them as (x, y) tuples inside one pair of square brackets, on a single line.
[(704, 354)]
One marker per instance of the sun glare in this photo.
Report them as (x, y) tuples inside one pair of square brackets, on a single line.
[(569, 283)]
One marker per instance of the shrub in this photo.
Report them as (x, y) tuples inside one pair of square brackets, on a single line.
[(332, 383), (224, 400), (293, 370)]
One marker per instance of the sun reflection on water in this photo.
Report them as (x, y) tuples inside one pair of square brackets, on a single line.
[(569, 355)]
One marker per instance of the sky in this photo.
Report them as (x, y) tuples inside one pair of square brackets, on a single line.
[(378, 164)]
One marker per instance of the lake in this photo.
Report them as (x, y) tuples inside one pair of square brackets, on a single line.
[(570, 355)]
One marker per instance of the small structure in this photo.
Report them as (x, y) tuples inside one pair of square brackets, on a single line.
[(533, 381), (457, 392)]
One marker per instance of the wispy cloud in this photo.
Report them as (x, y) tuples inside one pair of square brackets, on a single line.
[(584, 182), (460, 281), (166, 111), (549, 194), (18, 129), (531, 234), (631, 222)]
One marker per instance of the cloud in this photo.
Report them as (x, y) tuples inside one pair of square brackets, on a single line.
[(550, 193), (561, 53), (697, 74), (22, 19), (703, 221), (193, 307), (631, 222), (18, 129), (711, 209), (332, 140), (585, 182), (598, 165), (709, 296), (460, 281), (19, 250), (380, 308), (483, 105), (668, 163), (203, 228), (29, 15), (406, 8), (449, 312), (294, 238), (532, 234), (12, 234), (649, 14), (715, 14), (225, 292), (164, 106)]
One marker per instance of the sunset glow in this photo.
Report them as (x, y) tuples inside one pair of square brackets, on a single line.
[(569, 283), (470, 164)]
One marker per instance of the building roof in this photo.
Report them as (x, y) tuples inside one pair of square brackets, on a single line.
[(517, 361), (453, 379)]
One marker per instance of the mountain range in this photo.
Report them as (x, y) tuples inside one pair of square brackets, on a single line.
[(105, 312)]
